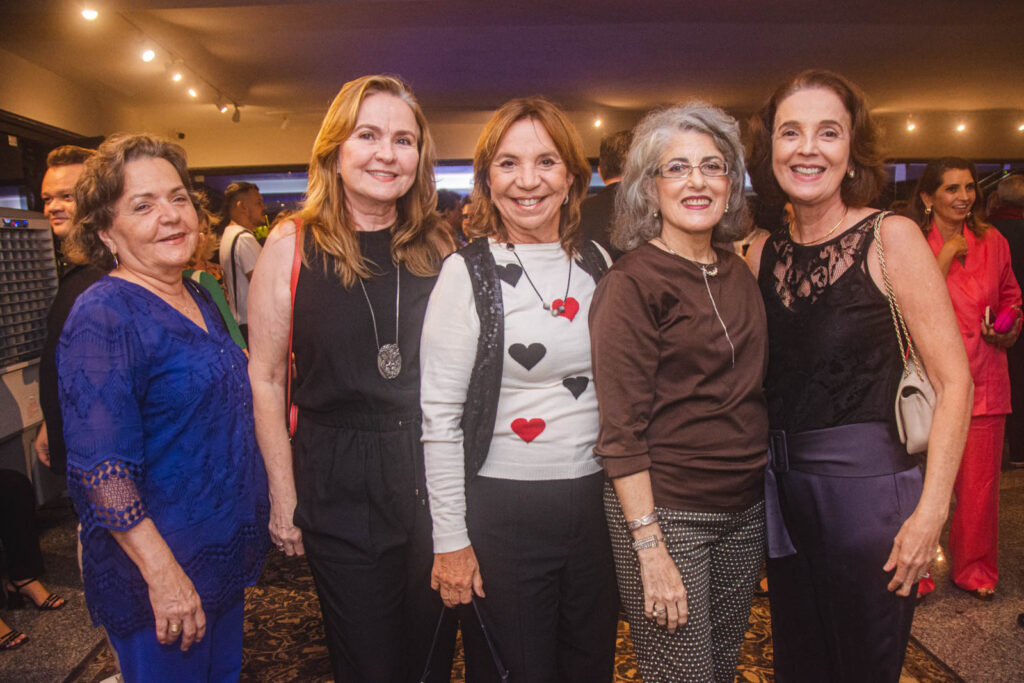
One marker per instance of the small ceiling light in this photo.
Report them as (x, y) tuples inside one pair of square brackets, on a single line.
[(223, 108), (911, 126), (960, 128), (148, 55), (1021, 127), (237, 115), (192, 92), (177, 76), (597, 123), (89, 14)]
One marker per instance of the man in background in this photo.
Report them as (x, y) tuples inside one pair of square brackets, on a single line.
[(239, 248), (449, 206), (63, 167), (596, 212)]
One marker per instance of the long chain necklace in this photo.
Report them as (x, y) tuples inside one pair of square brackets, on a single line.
[(823, 237), (389, 356), (555, 310), (707, 270)]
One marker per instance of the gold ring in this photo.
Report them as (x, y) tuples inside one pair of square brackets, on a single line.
[(175, 628)]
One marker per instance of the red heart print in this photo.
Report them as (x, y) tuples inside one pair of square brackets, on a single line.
[(572, 307), (528, 430)]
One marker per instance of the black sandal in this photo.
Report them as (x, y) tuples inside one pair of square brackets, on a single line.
[(16, 598), (13, 639)]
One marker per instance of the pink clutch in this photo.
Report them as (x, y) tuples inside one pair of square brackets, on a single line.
[(1005, 320)]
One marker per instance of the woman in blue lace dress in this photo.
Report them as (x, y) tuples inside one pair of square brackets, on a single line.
[(163, 466)]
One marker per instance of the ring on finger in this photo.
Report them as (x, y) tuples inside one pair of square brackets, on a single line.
[(175, 628)]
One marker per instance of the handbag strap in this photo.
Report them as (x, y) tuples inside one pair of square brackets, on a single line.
[(296, 267), (907, 350)]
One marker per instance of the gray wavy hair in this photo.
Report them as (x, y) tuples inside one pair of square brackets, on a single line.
[(637, 199)]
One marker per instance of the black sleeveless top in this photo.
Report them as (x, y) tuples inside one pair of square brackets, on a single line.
[(833, 358), (333, 341)]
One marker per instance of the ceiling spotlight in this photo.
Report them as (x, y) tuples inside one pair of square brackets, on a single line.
[(1021, 127), (237, 115), (177, 76), (597, 123), (960, 128), (911, 126), (89, 14), (223, 108), (192, 92), (148, 55)]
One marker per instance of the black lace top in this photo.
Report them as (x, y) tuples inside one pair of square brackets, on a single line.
[(833, 357)]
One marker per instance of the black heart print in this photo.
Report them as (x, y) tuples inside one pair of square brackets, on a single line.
[(510, 273), (576, 385), (527, 356)]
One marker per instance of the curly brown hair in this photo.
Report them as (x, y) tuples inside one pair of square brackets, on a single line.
[(102, 184)]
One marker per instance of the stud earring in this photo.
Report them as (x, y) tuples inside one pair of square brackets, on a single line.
[(726, 209), (850, 174), (657, 213), (565, 201)]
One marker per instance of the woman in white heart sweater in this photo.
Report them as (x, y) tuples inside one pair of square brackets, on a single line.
[(510, 414)]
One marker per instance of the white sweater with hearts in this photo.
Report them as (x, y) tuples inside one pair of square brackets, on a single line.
[(547, 420)]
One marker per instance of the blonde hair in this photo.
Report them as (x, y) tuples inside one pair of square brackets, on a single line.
[(419, 240)]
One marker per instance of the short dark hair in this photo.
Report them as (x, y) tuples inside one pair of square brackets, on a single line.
[(102, 184), (930, 182), (614, 149), (866, 158), (447, 200), (68, 155), (1011, 190)]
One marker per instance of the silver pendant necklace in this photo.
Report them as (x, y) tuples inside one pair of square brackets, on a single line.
[(707, 270), (389, 356)]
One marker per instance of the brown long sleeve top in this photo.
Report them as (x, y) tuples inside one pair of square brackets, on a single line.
[(680, 392)]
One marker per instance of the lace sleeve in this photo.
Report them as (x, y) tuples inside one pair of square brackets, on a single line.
[(101, 377)]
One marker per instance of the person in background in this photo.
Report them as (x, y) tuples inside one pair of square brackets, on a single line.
[(680, 351), (163, 467), (466, 209), (448, 205), (23, 558), (209, 275), (975, 260), (596, 211), (348, 490), (64, 166), (1008, 218), (239, 248), (851, 524), (510, 413)]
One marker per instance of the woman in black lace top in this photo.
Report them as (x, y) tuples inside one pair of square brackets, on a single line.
[(852, 526)]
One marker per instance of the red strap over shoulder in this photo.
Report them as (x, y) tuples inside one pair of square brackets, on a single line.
[(293, 411)]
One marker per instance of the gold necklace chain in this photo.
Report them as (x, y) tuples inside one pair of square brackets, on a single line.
[(823, 237)]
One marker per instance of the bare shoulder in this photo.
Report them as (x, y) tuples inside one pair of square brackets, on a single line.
[(754, 251)]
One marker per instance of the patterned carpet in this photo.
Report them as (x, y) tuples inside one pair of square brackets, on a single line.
[(284, 639)]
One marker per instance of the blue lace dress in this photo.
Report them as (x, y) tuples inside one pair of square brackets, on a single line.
[(158, 422)]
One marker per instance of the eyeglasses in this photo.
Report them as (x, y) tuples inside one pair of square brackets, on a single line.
[(674, 170)]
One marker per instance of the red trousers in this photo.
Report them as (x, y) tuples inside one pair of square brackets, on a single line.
[(974, 534)]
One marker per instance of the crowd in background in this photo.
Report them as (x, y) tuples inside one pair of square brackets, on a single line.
[(512, 412)]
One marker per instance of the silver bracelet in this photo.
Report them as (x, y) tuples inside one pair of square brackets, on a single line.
[(649, 518), (646, 542)]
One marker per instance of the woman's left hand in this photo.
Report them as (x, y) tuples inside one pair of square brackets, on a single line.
[(1002, 341), (913, 551)]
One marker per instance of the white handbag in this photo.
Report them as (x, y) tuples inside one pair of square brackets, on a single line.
[(915, 397)]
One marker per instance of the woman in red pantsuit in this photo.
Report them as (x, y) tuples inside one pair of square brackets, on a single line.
[(976, 261)]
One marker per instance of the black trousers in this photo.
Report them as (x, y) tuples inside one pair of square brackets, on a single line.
[(1015, 420), (18, 531), (546, 563), (367, 533)]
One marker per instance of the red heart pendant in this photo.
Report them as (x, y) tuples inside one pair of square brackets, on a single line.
[(572, 307), (528, 430)]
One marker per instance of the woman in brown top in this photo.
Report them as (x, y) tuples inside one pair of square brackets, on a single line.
[(679, 351)]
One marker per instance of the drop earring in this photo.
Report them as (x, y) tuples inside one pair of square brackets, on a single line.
[(927, 211)]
